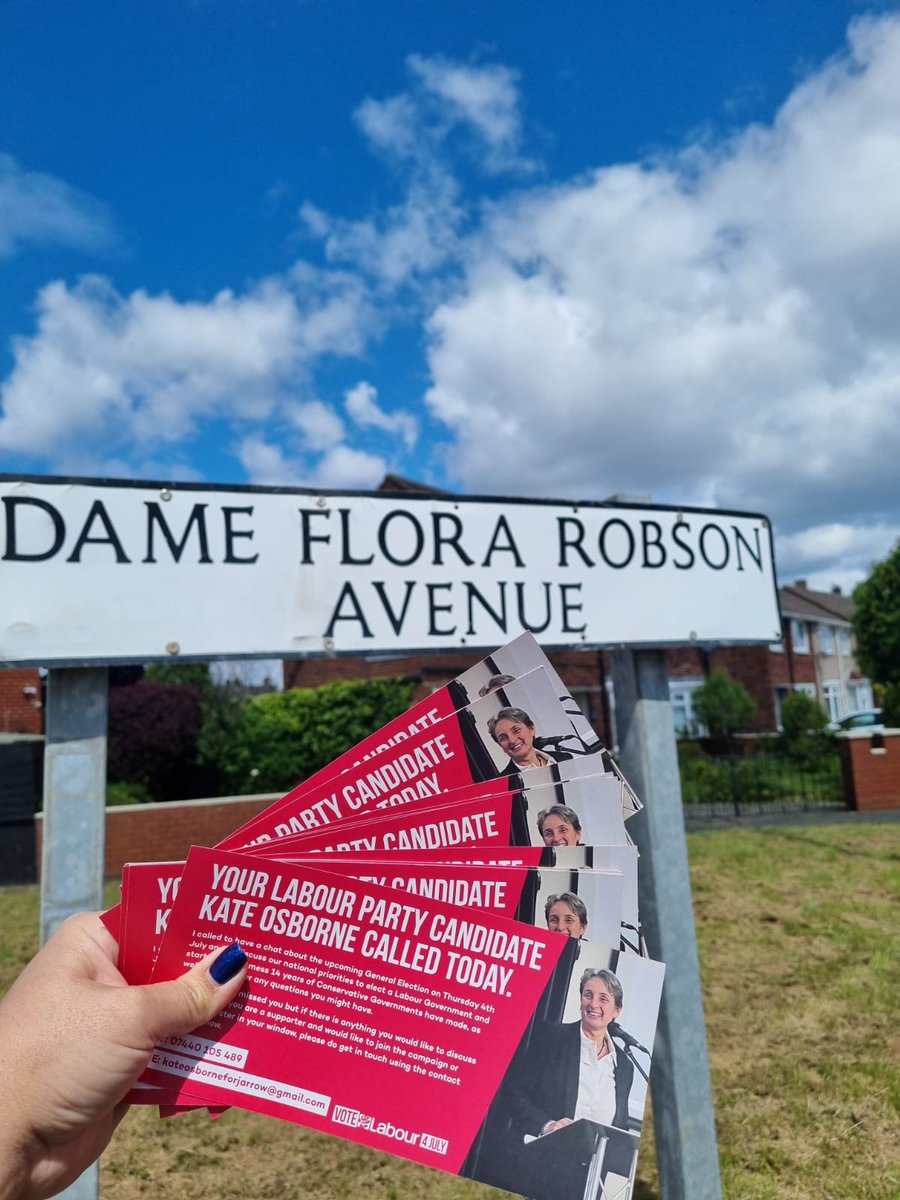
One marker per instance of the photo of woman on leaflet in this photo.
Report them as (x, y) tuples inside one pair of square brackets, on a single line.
[(495, 673), (570, 1108), (503, 729), (524, 726), (581, 905)]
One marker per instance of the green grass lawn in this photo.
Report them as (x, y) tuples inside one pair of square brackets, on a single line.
[(800, 956)]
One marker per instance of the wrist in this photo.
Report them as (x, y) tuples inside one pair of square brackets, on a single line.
[(15, 1165), (18, 1150)]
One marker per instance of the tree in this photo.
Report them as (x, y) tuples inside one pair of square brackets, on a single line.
[(723, 705), (803, 738), (153, 731), (876, 623), (801, 714), (192, 675), (268, 743)]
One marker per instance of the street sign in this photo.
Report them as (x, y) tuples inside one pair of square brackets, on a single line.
[(100, 572)]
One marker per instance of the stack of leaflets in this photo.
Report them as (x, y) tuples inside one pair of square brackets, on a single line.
[(445, 957)]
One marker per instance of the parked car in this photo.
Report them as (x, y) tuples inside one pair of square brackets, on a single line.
[(866, 718)]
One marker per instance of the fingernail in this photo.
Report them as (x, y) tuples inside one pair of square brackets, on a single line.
[(227, 965)]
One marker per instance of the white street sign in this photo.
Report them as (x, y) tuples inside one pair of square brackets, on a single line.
[(102, 572)]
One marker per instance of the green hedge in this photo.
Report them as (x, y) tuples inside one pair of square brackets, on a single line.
[(269, 743), (761, 778)]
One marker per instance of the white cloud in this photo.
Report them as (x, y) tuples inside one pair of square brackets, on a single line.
[(483, 98), (481, 102), (391, 125), (714, 327), (812, 553), (39, 208), (340, 467), (344, 467), (146, 367), (267, 464), (400, 244), (362, 406), (449, 107), (123, 374), (320, 425)]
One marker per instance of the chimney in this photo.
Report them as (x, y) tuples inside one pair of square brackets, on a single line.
[(800, 583), (836, 590)]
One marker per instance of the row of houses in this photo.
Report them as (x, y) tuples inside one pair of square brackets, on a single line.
[(815, 656)]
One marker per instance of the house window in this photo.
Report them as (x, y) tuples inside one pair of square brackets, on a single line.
[(800, 637), (826, 639), (860, 695), (831, 694), (808, 689), (684, 718), (844, 647)]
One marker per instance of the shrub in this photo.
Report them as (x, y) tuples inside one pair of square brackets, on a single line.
[(153, 729), (723, 705), (705, 781), (800, 715), (689, 748), (803, 735), (127, 793), (192, 675), (269, 743), (890, 700)]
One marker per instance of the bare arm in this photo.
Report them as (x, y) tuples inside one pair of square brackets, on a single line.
[(74, 1037)]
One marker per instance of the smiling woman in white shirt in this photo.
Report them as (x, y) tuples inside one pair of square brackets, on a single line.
[(574, 1070)]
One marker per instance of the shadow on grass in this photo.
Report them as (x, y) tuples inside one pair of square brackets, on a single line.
[(643, 1191), (825, 845)]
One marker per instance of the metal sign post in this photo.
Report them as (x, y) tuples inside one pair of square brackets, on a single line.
[(74, 794), (683, 1117), (74, 815)]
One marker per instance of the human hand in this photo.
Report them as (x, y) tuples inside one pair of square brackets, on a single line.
[(74, 1037), (552, 1126)]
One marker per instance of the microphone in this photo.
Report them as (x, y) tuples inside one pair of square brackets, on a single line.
[(543, 742), (614, 1029)]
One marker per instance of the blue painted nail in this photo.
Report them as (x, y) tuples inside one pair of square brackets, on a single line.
[(227, 965)]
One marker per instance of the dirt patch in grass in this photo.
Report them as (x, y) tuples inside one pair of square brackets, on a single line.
[(800, 956)]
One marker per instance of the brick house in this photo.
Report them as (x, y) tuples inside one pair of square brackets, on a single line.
[(819, 649), (816, 656), (21, 701)]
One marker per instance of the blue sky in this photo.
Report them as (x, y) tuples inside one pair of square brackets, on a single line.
[(519, 248)]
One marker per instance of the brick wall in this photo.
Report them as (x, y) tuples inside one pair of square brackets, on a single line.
[(687, 662), (21, 711), (871, 767), (163, 832)]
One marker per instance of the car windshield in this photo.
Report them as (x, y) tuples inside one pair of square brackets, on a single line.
[(868, 718)]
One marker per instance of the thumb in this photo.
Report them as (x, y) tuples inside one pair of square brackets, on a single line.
[(180, 1005)]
